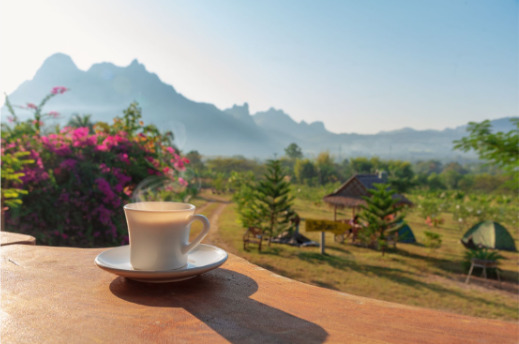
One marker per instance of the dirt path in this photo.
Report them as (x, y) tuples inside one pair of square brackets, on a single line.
[(213, 238)]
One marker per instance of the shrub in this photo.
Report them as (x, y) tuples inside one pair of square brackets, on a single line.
[(12, 164), (432, 240), (79, 181)]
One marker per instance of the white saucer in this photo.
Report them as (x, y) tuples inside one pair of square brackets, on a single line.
[(202, 259)]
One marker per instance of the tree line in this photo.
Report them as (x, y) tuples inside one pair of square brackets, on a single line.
[(325, 170)]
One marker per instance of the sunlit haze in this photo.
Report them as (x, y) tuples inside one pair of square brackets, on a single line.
[(358, 66)]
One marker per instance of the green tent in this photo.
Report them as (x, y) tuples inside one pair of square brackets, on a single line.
[(405, 235), (489, 234)]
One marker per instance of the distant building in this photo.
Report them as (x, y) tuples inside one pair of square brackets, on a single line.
[(349, 194)]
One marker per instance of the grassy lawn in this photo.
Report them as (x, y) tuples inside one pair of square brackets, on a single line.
[(411, 274)]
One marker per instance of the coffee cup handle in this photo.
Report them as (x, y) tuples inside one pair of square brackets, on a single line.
[(200, 236)]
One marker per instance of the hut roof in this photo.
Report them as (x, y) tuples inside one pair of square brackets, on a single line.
[(351, 192)]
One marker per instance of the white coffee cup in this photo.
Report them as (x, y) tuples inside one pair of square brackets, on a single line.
[(159, 234)]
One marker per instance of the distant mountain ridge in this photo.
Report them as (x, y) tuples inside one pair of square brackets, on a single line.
[(104, 90)]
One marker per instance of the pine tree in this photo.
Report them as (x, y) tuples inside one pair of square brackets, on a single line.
[(273, 200), (244, 196), (382, 213)]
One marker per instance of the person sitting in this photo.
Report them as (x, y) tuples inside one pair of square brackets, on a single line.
[(355, 226)]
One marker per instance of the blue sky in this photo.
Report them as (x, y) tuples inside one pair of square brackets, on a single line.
[(358, 66)]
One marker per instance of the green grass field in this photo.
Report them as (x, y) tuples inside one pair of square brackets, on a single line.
[(412, 274)]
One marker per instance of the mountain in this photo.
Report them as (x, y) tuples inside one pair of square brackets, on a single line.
[(105, 90)]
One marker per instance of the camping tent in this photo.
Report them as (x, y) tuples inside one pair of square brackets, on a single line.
[(489, 234), (405, 235)]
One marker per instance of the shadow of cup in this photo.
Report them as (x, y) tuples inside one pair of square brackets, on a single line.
[(221, 300)]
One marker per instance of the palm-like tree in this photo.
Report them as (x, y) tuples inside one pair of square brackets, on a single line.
[(81, 121)]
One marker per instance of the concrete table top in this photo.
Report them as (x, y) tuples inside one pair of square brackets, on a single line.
[(58, 295)]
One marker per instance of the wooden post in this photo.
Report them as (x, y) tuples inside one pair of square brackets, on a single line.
[(322, 242), (335, 212)]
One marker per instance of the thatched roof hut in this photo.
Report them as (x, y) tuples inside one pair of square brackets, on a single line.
[(349, 194)]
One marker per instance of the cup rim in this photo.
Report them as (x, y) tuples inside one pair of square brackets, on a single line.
[(131, 206)]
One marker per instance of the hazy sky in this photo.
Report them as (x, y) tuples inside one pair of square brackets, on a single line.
[(358, 66)]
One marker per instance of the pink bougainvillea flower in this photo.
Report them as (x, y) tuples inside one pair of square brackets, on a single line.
[(182, 181), (63, 151), (10, 119), (110, 196), (80, 133), (102, 148), (124, 158), (37, 158), (31, 106), (104, 168), (54, 114), (122, 180), (179, 165), (103, 214), (68, 164), (81, 138), (112, 141), (58, 90)]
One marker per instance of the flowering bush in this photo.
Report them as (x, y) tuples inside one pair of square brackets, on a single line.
[(36, 123), (79, 180)]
